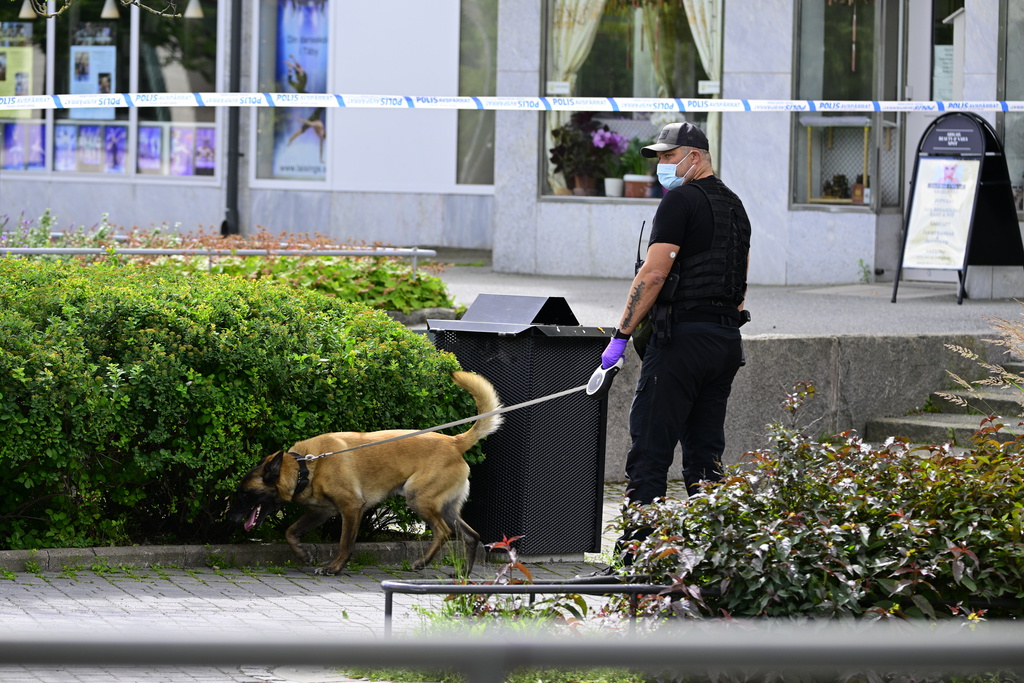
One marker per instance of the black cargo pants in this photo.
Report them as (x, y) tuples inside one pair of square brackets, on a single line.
[(681, 397)]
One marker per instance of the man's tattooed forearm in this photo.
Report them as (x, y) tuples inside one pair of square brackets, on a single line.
[(634, 301)]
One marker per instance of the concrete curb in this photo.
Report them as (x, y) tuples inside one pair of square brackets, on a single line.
[(204, 556)]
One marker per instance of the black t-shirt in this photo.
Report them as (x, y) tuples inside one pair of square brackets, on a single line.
[(684, 218)]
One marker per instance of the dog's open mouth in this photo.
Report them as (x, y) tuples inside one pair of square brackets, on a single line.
[(254, 518)]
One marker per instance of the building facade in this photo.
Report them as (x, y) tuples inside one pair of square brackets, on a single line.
[(826, 193)]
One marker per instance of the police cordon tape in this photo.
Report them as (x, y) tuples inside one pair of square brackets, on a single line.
[(609, 104)]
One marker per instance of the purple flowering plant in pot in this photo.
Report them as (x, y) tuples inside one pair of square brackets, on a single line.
[(585, 150)]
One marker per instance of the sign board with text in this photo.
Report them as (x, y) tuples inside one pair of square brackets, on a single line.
[(961, 210)]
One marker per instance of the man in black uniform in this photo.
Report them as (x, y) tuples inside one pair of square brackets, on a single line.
[(690, 289)]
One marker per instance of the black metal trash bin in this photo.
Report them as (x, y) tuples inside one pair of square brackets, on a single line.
[(543, 477)]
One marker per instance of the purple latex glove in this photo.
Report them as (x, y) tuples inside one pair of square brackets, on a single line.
[(614, 351)]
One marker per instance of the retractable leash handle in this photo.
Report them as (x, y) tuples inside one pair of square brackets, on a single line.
[(601, 381)]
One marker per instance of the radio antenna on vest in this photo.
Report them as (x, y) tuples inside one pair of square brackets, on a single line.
[(639, 261)]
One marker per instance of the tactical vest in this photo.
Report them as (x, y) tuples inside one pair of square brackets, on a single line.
[(717, 276)]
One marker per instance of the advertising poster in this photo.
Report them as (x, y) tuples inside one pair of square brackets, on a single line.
[(182, 149), (35, 151), (14, 146), (940, 218), (90, 149), (15, 63), (206, 151), (93, 66), (300, 132), (151, 149), (115, 140), (65, 146)]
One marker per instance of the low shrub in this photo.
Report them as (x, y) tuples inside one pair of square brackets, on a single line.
[(389, 284), (841, 528), (132, 399)]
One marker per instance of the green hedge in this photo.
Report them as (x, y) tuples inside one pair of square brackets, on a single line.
[(132, 399)]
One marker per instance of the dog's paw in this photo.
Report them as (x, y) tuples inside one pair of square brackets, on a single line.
[(304, 552), (419, 565), (327, 570)]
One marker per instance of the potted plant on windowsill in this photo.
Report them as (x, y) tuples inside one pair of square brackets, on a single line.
[(584, 151), (636, 170)]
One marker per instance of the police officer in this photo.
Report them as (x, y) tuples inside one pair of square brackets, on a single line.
[(690, 290)]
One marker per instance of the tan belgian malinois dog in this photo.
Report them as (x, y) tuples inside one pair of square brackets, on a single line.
[(428, 469)]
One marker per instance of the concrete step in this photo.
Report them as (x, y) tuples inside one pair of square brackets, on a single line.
[(995, 400), (935, 428)]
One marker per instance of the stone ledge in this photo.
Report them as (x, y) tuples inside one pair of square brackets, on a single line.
[(233, 555), (229, 555)]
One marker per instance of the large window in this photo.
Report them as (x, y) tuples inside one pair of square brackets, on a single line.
[(628, 48), (478, 71), (293, 58), (94, 51), (91, 57), (178, 56), (847, 51), (22, 72), (1013, 122)]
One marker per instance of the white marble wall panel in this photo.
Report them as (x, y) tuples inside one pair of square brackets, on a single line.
[(280, 211), (516, 228), (826, 247), (758, 39), (142, 205)]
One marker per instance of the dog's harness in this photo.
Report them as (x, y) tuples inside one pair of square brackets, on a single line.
[(303, 480)]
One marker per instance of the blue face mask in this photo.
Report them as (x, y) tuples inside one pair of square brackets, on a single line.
[(667, 174)]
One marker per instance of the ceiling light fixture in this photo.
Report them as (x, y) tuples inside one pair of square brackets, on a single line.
[(194, 10), (110, 10)]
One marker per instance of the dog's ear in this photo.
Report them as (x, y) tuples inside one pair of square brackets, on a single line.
[(272, 469)]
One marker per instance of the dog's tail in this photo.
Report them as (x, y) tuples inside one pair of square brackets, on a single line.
[(486, 401)]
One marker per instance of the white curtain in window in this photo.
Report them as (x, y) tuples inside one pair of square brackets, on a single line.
[(705, 19), (573, 29)]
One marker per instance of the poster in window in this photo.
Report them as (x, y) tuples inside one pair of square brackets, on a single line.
[(182, 149), (206, 151), (65, 146), (940, 217), (90, 149), (15, 63), (151, 149), (35, 150), (115, 139), (14, 146), (93, 66), (300, 133)]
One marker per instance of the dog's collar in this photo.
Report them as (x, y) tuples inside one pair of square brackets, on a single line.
[(303, 481)]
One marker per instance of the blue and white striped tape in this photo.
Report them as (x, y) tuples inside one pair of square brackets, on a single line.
[(611, 104)]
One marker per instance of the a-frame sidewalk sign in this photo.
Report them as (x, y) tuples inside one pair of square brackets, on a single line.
[(960, 211)]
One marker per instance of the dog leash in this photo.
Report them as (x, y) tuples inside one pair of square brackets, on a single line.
[(504, 409)]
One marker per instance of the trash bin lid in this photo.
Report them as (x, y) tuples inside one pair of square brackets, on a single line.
[(512, 314)]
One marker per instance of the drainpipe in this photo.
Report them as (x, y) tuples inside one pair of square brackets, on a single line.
[(230, 224)]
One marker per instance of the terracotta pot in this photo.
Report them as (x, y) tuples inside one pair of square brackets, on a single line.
[(638, 185), (584, 185)]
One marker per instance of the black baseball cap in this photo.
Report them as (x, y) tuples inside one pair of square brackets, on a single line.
[(674, 135)]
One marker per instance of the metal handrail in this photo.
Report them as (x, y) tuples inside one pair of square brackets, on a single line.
[(414, 252), (551, 587)]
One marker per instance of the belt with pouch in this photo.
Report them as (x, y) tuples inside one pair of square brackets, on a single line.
[(730, 320)]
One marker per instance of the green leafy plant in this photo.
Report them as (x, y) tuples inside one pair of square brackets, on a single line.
[(845, 529), (632, 161), (865, 270)]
